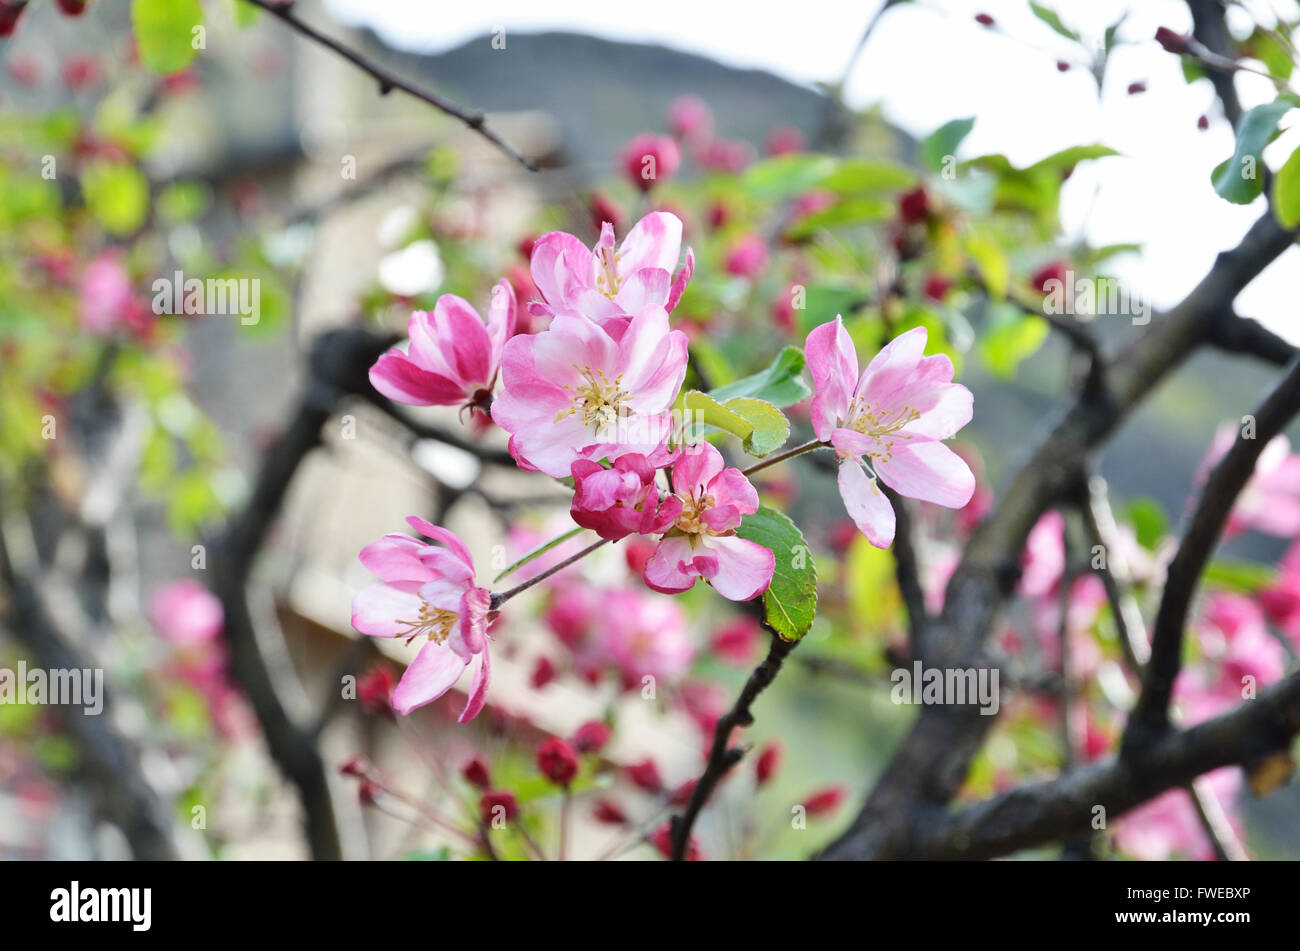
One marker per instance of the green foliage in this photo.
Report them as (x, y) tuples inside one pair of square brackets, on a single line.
[(790, 603), (1240, 178), (1286, 192), (944, 141), (1050, 17), (164, 32), (117, 194), (781, 383)]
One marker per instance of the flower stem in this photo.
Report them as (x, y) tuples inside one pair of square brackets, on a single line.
[(788, 454), (501, 597)]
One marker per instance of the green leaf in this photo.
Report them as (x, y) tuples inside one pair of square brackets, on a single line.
[(1012, 337), (1286, 192), (1268, 49), (790, 603), (786, 174), (705, 409), (1066, 159), (842, 214), (1049, 16), (770, 427), (538, 552), (781, 384), (1239, 576), (711, 362), (1255, 130), (944, 142), (1148, 521), (117, 194), (164, 32), (246, 14), (868, 175), (991, 262), (1111, 35)]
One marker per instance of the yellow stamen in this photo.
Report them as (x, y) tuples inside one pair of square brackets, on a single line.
[(601, 401), (433, 622)]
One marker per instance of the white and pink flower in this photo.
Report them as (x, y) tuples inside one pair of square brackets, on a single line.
[(428, 594), (609, 281), (453, 357), (623, 499), (587, 390), (702, 542), (889, 423)]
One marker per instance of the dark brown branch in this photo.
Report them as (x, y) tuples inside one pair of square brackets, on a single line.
[(907, 570), (722, 756), (1049, 811), (389, 80), (1210, 28), (1246, 336), (931, 762), (1150, 717), (422, 430)]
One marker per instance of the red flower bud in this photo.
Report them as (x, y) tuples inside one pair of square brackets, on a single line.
[(357, 766), (591, 737), (375, 690), (602, 210), (9, 14), (662, 840), (682, 794), (645, 775), (649, 159), (73, 8), (1203, 123), (476, 772), (937, 287), (983, 19), (1135, 88), (557, 761), (543, 673), (825, 801), (492, 799), (525, 246), (1053, 271), (914, 205), (367, 793), (1062, 66), (608, 812), (1173, 42), (769, 761)]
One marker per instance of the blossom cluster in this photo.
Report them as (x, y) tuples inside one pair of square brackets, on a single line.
[(587, 394)]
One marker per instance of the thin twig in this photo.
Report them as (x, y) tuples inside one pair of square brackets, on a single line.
[(389, 80)]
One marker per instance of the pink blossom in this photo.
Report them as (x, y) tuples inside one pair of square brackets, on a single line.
[(185, 612), (105, 294), (747, 257), (737, 641), (726, 155), (1270, 502), (1281, 599), (785, 139), (428, 591), (649, 159), (1169, 827), (645, 636), (690, 119), (453, 356), (892, 418), (1234, 634), (703, 541), (606, 281), (583, 390), (1043, 561), (621, 500)]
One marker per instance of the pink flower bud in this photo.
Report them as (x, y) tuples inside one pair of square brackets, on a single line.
[(690, 119), (747, 257), (1173, 42), (608, 812), (645, 775), (476, 772), (557, 761), (824, 802), (494, 798), (649, 159), (543, 673), (769, 761), (591, 737)]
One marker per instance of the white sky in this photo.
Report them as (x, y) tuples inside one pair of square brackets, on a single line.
[(929, 62)]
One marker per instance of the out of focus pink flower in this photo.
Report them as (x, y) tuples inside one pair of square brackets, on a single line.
[(1270, 502), (767, 763), (185, 612), (690, 119), (662, 839), (747, 257), (736, 642), (1168, 826), (591, 737), (644, 635), (105, 294), (784, 140), (824, 801), (730, 156), (1043, 560), (650, 159)]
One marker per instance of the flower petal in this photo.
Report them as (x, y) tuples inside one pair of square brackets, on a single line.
[(438, 533), (479, 687), (744, 568), (396, 376), (434, 671), (395, 558), (928, 471), (866, 504), (654, 241), (834, 366), (377, 608)]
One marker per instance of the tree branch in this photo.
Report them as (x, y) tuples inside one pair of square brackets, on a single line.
[(389, 80), (721, 756), (1150, 717), (1048, 811)]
